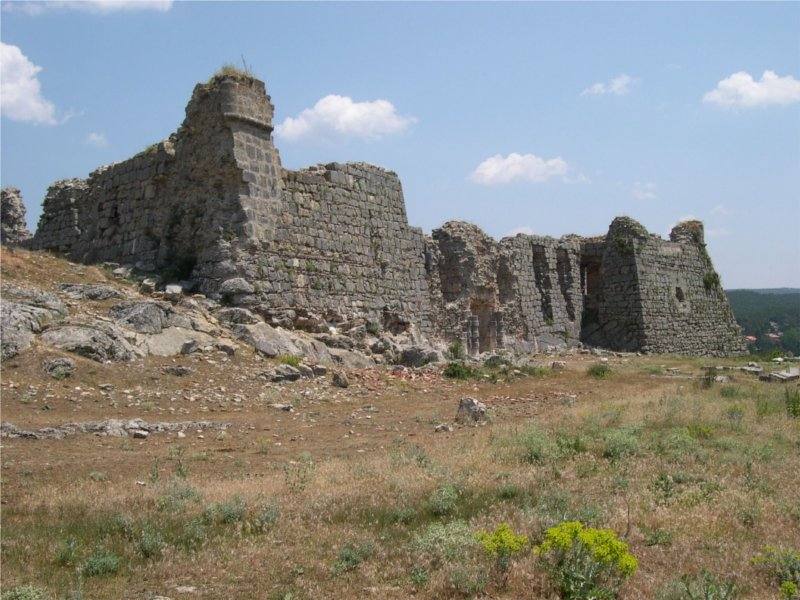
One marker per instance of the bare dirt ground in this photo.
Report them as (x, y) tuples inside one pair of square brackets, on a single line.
[(334, 499)]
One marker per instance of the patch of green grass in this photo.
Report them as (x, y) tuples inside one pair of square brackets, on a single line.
[(288, 359), (351, 556), (25, 592), (703, 586), (457, 370), (619, 444), (101, 562), (599, 371), (444, 500)]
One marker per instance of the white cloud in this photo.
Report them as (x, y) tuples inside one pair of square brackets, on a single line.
[(740, 90), (500, 169), (98, 140), (517, 230), (340, 116), (644, 190), (21, 98), (618, 86), (34, 7)]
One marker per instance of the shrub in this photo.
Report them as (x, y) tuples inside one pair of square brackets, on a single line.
[(288, 359), (231, 511), (193, 535), (783, 567), (441, 543), (350, 556), (176, 496), (599, 371), (150, 543), (444, 500), (456, 350), (25, 592), (792, 400), (101, 562), (619, 443), (586, 563), (502, 545), (570, 444), (457, 370), (266, 517)]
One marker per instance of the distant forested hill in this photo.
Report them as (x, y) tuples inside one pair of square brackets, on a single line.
[(757, 310)]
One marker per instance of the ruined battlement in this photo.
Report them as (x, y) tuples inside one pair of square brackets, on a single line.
[(213, 206)]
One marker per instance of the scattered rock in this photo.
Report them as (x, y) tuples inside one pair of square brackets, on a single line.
[(190, 347), (283, 373), (148, 285), (90, 291), (236, 316), (173, 292), (284, 407), (319, 370), (178, 370), (227, 347), (340, 379), (471, 412), (139, 434), (59, 368), (443, 428), (558, 365), (235, 286), (496, 360), (98, 341), (109, 427), (418, 356)]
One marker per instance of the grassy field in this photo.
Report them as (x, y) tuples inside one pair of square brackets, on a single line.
[(684, 488), (698, 479)]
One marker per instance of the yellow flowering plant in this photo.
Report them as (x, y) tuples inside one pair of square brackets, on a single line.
[(503, 545), (586, 563)]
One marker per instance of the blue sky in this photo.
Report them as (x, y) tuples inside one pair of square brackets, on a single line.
[(550, 118)]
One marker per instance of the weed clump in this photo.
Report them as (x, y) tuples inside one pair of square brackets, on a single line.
[(783, 567), (351, 556), (444, 500), (703, 586), (25, 592), (288, 359), (458, 370), (599, 371), (101, 562)]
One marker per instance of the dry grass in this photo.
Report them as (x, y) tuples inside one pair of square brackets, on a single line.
[(336, 499)]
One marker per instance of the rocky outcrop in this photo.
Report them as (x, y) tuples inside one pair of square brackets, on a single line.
[(13, 227), (23, 313)]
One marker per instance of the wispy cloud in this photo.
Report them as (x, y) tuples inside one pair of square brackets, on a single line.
[(35, 7), (618, 86), (340, 117), (499, 169), (644, 190), (22, 98), (740, 90), (98, 140)]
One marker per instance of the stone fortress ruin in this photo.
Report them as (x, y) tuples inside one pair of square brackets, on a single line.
[(211, 206)]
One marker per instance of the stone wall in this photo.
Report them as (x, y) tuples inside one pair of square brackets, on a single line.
[(212, 205), (342, 244), (491, 294)]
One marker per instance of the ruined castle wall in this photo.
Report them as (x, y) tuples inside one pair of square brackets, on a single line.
[(342, 243), (172, 205), (520, 288), (684, 308)]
